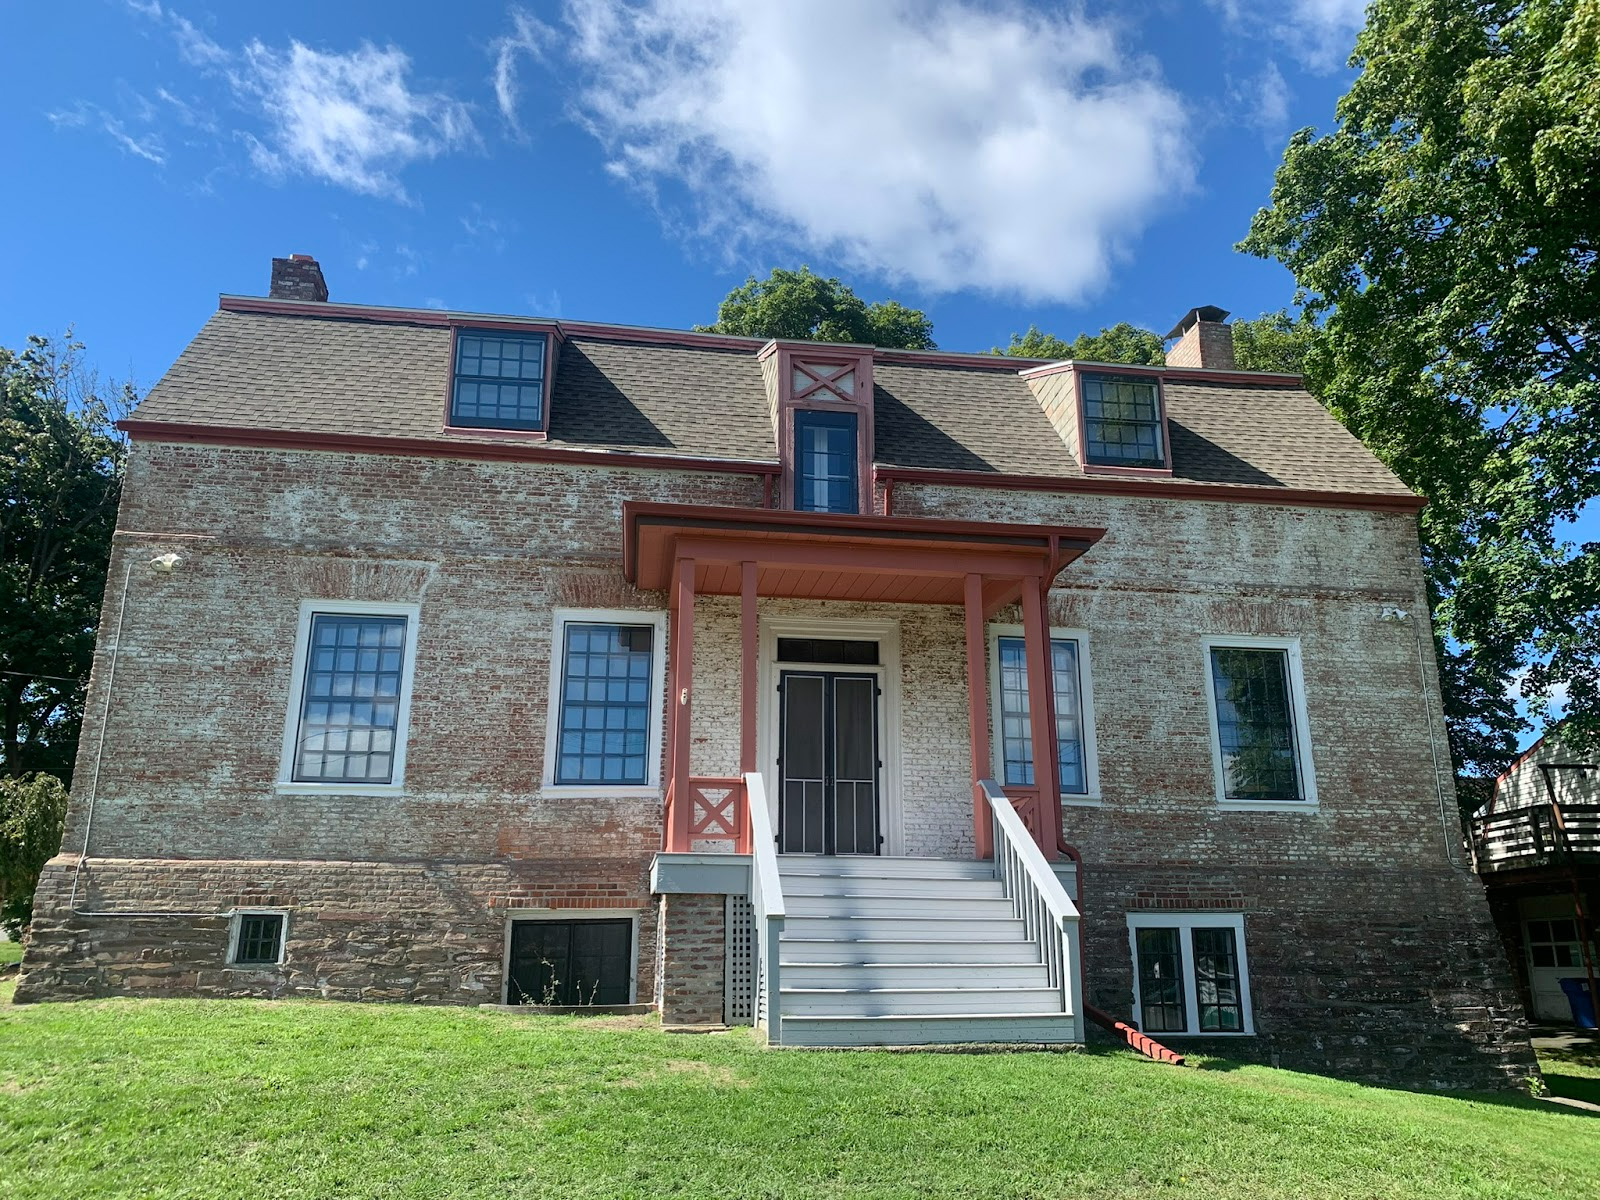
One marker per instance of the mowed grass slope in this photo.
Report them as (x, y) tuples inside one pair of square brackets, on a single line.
[(229, 1099)]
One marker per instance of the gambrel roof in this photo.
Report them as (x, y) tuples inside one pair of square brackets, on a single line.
[(341, 370)]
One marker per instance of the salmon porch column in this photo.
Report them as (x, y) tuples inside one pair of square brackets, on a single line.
[(978, 713), (680, 700), (750, 688), (1041, 712)]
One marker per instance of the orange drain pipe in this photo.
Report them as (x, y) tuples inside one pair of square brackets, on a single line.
[(1145, 1045)]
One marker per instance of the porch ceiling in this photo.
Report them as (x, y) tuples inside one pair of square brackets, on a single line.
[(829, 556)]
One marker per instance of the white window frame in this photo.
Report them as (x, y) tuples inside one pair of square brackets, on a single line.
[(1091, 755), (560, 618), (1302, 725), (518, 915), (235, 917), (1185, 923), (287, 784)]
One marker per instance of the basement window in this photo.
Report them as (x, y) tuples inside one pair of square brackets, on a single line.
[(256, 939), (499, 380), (1122, 422), (571, 963), (1189, 973)]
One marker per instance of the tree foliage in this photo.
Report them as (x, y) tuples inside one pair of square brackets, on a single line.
[(804, 306), (1119, 343), (1444, 241), (61, 471), (1274, 341), (33, 809)]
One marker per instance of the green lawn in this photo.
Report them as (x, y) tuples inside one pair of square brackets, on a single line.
[(228, 1099), (10, 952)]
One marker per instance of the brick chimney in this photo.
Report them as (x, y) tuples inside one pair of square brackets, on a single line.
[(298, 277), (1203, 340)]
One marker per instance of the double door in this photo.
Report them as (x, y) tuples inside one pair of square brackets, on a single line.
[(828, 763)]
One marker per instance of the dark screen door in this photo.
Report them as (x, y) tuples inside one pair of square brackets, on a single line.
[(570, 962), (828, 763)]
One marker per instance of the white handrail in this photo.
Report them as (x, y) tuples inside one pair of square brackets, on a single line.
[(1049, 916), (766, 901)]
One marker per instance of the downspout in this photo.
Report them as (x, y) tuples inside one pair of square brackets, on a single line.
[(100, 741)]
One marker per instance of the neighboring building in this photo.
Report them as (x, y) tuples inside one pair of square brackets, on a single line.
[(442, 653), (1536, 844)]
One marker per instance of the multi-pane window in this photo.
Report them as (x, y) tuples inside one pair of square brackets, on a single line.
[(1122, 422), (1190, 974), (257, 939), (606, 693), (499, 380), (1256, 732), (825, 461), (350, 699), (1016, 727)]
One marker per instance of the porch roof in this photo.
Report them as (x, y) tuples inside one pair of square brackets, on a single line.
[(834, 556)]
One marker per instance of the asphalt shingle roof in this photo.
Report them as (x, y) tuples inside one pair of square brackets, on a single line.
[(324, 374)]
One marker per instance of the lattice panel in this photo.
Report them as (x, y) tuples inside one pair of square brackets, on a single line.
[(739, 986), (714, 810), (823, 381)]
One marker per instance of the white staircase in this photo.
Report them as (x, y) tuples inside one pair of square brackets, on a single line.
[(909, 951)]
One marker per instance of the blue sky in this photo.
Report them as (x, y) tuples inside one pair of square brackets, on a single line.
[(994, 164), (631, 160)]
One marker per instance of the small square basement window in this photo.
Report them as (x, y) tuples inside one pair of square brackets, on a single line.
[(256, 939)]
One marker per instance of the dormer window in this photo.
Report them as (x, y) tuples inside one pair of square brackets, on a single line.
[(825, 461), (822, 406), (1122, 422), (499, 380)]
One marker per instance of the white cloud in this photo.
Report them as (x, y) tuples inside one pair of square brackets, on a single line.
[(1320, 33), (145, 145), (1262, 102), (351, 119), (952, 143), (527, 37)]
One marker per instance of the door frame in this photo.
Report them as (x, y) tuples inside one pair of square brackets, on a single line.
[(884, 631)]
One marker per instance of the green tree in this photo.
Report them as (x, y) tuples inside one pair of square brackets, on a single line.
[(1274, 341), (1119, 343), (33, 809), (1444, 239), (804, 306), (61, 471)]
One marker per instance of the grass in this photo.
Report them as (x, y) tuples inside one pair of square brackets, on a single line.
[(228, 1098), (10, 952)]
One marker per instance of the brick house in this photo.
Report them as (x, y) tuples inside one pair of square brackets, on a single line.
[(1536, 845), (459, 658)]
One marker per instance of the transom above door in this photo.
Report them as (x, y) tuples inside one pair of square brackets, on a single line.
[(828, 763)]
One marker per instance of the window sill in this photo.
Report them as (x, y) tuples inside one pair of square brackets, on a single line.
[(490, 431), (1072, 800), (1161, 1037), (584, 791), (1283, 806), (285, 788)]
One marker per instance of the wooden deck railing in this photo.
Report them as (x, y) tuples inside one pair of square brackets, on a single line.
[(1049, 916), (714, 811), (1539, 835)]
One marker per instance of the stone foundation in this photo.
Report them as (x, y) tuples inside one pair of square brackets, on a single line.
[(1391, 977), (429, 933)]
